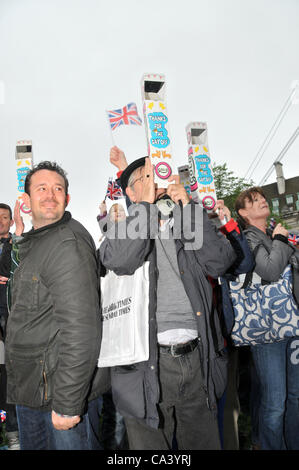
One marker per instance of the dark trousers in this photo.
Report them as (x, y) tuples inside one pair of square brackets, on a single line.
[(184, 415), (111, 434)]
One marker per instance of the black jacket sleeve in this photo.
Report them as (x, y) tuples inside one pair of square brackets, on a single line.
[(71, 277), (211, 248), (5, 259)]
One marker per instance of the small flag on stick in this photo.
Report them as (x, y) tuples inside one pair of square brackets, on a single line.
[(2, 416), (294, 239), (126, 115), (114, 191)]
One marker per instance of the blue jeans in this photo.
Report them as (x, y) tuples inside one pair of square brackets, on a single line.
[(254, 403), (277, 368), (36, 432), (94, 413)]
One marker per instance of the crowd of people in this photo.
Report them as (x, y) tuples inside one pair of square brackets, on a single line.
[(184, 395)]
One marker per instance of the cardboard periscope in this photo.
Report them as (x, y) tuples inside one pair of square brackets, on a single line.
[(24, 163), (202, 183), (157, 128)]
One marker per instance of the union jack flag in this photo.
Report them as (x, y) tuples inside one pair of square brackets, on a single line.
[(272, 223), (126, 115), (2, 415), (294, 239), (114, 191)]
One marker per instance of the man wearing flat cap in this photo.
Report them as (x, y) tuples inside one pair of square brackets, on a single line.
[(171, 397)]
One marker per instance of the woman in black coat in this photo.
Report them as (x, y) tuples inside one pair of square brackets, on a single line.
[(277, 363)]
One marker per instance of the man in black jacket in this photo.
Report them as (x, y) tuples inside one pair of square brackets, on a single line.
[(6, 222), (53, 331), (176, 388)]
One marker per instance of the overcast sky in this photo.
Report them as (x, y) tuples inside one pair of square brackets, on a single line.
[(229, 63)]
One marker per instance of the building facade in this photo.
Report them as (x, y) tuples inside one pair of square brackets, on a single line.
[(283, 199)]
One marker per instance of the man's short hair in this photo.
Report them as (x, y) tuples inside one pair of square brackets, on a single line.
[(46, 165), (7, 207)]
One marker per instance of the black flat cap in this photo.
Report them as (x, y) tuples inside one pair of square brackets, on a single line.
[(124, 177)]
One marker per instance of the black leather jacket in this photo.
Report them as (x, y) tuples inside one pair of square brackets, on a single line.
[(54, 328)]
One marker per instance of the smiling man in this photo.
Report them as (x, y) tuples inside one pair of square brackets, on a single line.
[(46, 193), (53, 330)]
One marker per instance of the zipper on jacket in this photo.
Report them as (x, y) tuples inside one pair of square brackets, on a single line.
[(208, 402), (46, 385)]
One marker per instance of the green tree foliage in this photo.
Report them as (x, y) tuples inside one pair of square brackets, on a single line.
[(228, 186), (278, 219)]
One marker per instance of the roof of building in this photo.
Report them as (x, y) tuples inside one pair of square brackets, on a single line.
[(291, 187)]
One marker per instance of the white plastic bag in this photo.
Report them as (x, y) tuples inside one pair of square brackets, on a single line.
[(125, 304)]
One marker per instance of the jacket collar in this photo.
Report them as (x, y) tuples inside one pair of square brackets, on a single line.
[(5, 239), (252, 228), (65, 218)]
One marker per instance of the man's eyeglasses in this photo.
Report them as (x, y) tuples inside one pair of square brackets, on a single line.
[(141, 178)]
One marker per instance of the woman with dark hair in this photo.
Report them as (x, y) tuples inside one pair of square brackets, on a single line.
[(276, 363)]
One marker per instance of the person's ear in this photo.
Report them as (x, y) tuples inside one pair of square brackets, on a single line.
[(244, 214), (67, 200), (26, 200), (131, 194)]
